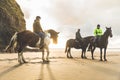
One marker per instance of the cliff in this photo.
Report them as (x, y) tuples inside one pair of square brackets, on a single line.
[(11, 20)]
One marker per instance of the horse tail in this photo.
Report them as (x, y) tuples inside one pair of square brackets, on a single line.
[(66, 46), (12, 42)]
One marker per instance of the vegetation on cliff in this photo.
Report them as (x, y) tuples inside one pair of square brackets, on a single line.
[(11, 20)]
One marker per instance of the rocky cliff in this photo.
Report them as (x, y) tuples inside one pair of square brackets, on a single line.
[(11, 20)]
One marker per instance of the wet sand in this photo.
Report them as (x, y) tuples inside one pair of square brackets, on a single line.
[(60, 67)]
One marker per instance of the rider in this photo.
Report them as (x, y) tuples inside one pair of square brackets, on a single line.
[(38, 30), (97, 33), (78, 36)]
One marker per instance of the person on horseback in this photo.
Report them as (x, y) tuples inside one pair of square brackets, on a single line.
[(38, 30), (78, 37), (98, 33)]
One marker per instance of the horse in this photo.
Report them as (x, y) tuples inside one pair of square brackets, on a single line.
[(101, 43), (72, 43), (28, 38)]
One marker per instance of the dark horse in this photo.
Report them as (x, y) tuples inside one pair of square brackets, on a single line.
[(28, 38), (101, 43), (72, 43)]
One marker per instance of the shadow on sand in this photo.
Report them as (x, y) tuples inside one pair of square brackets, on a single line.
[(10, 69), (46, 67)]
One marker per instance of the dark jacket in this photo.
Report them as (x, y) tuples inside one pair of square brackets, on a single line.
[(37, 27), (78, 36)]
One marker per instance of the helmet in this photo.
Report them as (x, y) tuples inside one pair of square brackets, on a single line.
[(38, 17), (78, 29), (98, 25)]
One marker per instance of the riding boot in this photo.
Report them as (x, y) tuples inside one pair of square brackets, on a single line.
[(80, 43), (95, 40)]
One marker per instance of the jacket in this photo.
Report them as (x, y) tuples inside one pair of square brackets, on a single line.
[(98, 32), (37, 27)]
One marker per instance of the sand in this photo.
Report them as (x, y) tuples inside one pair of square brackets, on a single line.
[(60, 67)]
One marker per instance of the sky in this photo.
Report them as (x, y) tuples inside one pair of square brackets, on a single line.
[(66, 16)]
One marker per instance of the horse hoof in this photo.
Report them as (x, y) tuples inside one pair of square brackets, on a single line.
[(82, 57), (71, 57), (25, 62), (101, 60), (47, 60), (20, 62), (68, 57), (105, 60), (43, 60), (85, 57), (93, 59)]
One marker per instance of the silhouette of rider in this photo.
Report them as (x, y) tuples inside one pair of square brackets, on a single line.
[(78, 37), (38, 30)]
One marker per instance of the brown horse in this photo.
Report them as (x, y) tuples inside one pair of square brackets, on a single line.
[(28, 38), (72, 43), (101, 43)]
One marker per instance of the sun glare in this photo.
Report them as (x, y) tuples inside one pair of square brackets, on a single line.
[(60, 44)]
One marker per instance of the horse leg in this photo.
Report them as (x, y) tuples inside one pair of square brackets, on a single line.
[(20, 55), (67, 54), (70, 53), (85, 54), (82, 54), (101, 54), (47, 58), (19, 60), (105, 55), (92, 52), (23, 59), (43, 55)]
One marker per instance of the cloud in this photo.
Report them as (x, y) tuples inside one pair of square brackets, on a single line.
[(67, 11), (74, 12), (69, 15)]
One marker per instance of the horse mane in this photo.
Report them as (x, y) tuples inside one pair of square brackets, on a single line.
[(106, 33), (51, 31), (53, 35)]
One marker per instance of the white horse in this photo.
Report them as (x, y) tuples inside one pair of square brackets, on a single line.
[(27, 38)]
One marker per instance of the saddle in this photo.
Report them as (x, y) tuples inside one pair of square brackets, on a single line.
[(42, 36), (96, 40), (77, 44)]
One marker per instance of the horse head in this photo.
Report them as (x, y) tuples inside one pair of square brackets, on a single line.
[(54, 35), (109, 31)]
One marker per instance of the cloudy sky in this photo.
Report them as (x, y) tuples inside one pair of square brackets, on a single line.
[(66, 16)]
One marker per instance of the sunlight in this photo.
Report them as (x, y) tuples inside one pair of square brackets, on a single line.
[(61, 42), (84, 14)]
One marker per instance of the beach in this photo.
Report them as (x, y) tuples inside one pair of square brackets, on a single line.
[(60, 67)]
